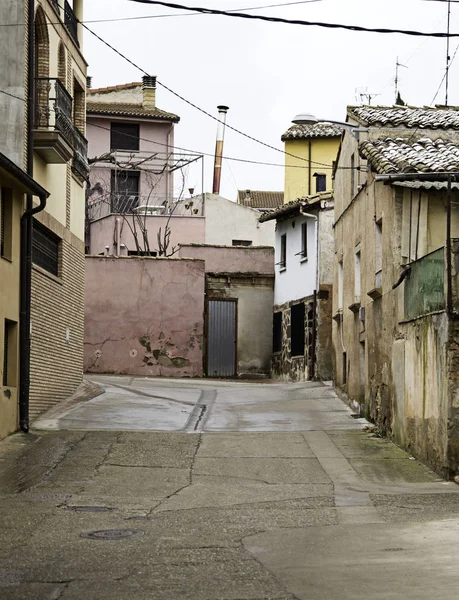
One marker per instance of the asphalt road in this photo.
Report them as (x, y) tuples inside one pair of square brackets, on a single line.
[(206, 490)]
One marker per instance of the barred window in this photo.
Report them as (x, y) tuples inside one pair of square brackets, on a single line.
[(45, 248)]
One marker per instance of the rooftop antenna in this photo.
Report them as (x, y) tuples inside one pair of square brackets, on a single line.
[(397, 65), (448, 58), (363, 96)]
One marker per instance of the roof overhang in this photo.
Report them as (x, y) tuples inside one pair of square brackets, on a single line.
[(20, 179)]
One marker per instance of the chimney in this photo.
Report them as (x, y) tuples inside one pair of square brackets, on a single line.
[(88, 82), (149, 91), (222, 110)]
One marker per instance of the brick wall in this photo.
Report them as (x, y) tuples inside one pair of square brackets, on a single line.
[(57, 313)]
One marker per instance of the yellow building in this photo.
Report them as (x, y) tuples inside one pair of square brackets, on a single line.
[(310, 153), (14, 183), (43, 73)]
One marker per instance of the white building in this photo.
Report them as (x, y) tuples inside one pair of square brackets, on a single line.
[(303, 286)]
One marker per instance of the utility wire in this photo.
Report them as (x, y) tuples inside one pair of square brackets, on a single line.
[(11, 95), (240, 15), (190, 14)]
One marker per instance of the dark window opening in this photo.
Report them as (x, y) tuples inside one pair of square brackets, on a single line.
[(344, 367), (241, 242), (45, 248), (9, 354), (124, 136), (352, 176), (6, 223), (141, 253), (304, 240), (283, 252), (125, 191), (297, 313), (321, 182), (277, 332)]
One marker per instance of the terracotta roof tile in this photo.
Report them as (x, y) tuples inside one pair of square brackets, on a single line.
[(129, 110), (318, 130), (293, 207), (406, 116), (260, 199), (396, 155)]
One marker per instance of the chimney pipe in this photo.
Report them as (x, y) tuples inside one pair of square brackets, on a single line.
[(149, 91), (88, 82), (222, 110)]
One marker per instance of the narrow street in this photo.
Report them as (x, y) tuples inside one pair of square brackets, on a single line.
[(207, 490)]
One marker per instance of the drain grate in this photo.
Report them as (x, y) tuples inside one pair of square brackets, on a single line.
[(90, 508), (112, 534)]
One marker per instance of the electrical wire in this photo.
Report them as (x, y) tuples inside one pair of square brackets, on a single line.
[(240, 15), (190, 14), (12, 95)]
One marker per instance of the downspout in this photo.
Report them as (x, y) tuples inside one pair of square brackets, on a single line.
[(309, 166), (26, 236), (449, 276)]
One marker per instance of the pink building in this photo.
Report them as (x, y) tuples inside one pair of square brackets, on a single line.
[(131, 197)]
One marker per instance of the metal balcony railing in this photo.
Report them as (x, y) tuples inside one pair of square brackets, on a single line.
[(71, 22), (55, 3), (80, 157), (53, 107)]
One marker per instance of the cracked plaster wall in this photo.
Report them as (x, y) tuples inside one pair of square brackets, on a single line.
[(144, 316)]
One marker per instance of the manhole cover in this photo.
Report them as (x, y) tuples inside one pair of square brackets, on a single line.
[(90, 508), (112, 534)]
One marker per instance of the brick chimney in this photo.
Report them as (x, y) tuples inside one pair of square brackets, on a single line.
[(149, 91)]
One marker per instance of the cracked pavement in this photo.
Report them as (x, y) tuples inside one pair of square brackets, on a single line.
[(207, 490)]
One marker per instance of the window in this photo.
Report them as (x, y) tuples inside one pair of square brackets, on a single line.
[(283, 252), (124, 136), (277, 332), (304, 241), (125, 191), (352, 176), (10, 350), (45, 248), (297, 329), (79, 107), (241, 242), (6, 223), (321, 182), (357, 274)]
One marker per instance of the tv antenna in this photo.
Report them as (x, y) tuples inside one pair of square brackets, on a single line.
[(363, 96), (397, 65)]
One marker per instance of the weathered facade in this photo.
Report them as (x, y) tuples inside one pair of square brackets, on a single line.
[(394, 336), (59, 163), (302, 293), (144, 316), (238, 341)]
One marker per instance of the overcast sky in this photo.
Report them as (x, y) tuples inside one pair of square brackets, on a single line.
[(266, 72)]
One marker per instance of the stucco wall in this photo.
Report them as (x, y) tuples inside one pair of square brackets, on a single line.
[(227, 221), (299, 278), (223, 259), (144, 316), (183, 230), (323, 153)]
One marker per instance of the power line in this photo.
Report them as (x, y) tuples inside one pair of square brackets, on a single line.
[(195, 105), (12, 95), (190, 14), (240, 15)]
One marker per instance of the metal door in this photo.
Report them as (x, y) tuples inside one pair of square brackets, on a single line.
[(221, 338)]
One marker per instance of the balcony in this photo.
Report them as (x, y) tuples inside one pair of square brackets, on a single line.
[(80, 158), (53, 127), (71, 22)]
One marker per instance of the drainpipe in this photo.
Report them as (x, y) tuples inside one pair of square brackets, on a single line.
[(26, 236), (118, 233), (222, 110), (449, 276), (309, 166)]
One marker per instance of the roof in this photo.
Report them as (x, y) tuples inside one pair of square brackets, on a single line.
[(26, 183), (113, 88), (426, 185), (399, 155), (405, 116), (260, 199), (129, 110), (318, 130), (292, 208)]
